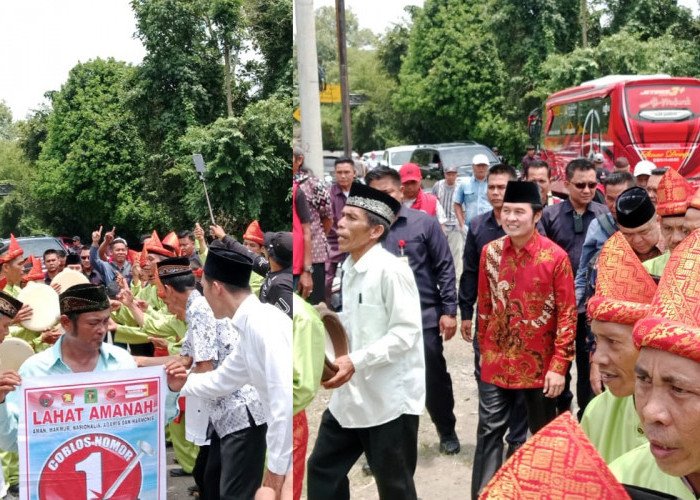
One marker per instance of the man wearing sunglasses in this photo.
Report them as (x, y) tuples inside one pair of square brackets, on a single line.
[(566, 224)]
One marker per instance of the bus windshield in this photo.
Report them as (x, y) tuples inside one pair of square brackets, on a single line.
[(663, 103)]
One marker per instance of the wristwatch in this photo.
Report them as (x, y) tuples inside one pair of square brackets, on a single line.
[(309, 269)]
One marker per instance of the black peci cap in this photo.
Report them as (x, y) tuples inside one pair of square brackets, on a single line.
[(634, 208)]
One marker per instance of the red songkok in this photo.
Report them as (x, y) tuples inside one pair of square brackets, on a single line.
[(156, 246), (557, 462), (673, 194), (35, 273), (254, 233), (13, 251), (673, 324), (694, 201), (173, 242), (624, 289)]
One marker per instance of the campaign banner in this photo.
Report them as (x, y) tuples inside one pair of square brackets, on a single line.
[(97, 435)]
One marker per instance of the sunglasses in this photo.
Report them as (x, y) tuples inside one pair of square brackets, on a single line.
[(582, 185)]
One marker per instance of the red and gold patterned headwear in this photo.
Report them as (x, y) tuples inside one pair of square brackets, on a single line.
[(557, 462), (694, 201), (254, 233), (673, 324), (155, 246), (35, 273), (624, 289), (13, 251), (171, 240), (673, 194)]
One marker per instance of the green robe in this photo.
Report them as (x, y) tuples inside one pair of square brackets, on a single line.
[(12, 290), (656, 265), (309, 340), (638, 468), (612, 425)]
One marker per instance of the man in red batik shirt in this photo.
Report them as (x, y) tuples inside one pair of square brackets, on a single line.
[(527, 325)]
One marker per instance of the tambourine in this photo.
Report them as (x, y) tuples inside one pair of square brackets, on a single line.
[(44, 302), (336, 340), (68, 278), (14, 352)]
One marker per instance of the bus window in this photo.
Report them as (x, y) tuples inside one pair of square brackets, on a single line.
[(663, 103)]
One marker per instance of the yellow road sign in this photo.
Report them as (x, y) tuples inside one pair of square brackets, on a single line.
[(297, 114), (331, 94)]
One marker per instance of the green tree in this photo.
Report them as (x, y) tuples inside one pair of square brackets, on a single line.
[(541, 28), (7, 129), (621, 53), (392, 46), (327, 39), (270, 25), (452, 81), (17, 209), (32, 132), (248, 167), (650, 18), (90, 166)]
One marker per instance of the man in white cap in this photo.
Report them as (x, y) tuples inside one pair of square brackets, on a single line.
[(470, 199), (642, 171)]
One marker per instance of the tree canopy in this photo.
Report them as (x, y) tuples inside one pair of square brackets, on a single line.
[(115, 144), (468, 69)]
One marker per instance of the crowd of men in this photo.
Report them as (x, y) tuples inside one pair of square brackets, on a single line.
[(216, 314), (540, 282)]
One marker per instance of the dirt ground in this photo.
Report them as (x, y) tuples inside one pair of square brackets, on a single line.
[(437, 477)]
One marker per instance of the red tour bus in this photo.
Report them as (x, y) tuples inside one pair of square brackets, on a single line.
[(641, 117)]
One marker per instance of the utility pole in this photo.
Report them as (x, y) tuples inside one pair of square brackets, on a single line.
[(344, 86), (309, 103)]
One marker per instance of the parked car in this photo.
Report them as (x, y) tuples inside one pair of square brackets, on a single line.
[(396, 156), (434, 158), (37, 245)]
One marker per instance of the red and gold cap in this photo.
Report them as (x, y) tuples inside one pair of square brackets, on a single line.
[(624, 289), (673, 324), (13, 251), (155, 246), (674, 192), (254, 233), (133, 256), (557, 462), (35, 273), (694, 200), (172, 241)]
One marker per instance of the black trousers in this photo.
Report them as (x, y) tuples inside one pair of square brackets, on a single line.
[(391, 450), (200, 465), (584, 391), (318, 294), (517, 423), (495, 404), (235, 464), (439, 398)]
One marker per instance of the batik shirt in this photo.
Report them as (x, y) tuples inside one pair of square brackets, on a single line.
[(527, 312), (319, 202), (209, 339)]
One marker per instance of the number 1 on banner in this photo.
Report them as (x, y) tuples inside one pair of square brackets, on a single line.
[(92, 467)]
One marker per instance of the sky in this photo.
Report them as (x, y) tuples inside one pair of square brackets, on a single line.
[(377, 15), (41, 40)]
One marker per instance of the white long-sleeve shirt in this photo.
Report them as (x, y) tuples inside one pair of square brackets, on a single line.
[(382, 317), (264, 360)]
